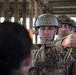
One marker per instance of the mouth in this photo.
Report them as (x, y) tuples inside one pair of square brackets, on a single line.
[(63, 32), (47, 38)]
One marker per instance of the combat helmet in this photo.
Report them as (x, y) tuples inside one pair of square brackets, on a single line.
[(73, 23), (63, 19), (46, 20)]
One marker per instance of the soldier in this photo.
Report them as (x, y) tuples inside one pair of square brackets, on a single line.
[(48, 58), (65, 26)]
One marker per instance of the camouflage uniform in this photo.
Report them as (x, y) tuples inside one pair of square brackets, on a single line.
[(51, 62), (71, 62), (46, 62)]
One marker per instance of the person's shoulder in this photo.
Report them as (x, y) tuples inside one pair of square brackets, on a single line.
[(58, 46), (36, 46)]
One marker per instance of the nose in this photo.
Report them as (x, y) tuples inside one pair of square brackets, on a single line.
[(63, 29), (46, 31)]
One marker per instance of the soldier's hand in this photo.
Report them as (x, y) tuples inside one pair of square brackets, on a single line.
[(70, 41), (73, 40)]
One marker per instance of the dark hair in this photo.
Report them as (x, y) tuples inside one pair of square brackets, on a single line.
[(69, 25), (15, 46)]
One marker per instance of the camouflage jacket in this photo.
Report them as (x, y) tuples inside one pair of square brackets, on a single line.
[(70, 66), (50, 61)]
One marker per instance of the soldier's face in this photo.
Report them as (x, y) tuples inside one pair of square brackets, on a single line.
[(64, 29), (47, 33)]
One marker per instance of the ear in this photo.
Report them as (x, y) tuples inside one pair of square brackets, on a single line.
[(36, 32), (26, 64)]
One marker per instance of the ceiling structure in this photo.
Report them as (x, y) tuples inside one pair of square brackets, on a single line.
[(58, 7), (55, 7), (32, 8)]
